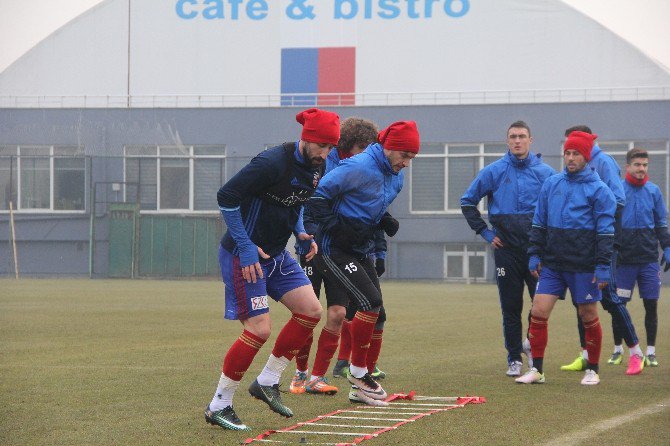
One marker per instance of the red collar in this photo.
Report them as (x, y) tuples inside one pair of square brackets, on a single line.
[(635, 182), (344, 155)]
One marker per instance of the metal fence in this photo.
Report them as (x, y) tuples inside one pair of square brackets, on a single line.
[(638, 93)]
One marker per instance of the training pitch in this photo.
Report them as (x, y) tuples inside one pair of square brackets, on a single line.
[(136, 362)]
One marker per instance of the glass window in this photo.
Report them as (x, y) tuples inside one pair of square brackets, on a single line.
[(189, 177), (454, 266), (141, 174), (428, 184), (498, 149), (432, 148), (43, 178), (476, 266), (209, 175), (461, 150), (174, 183), (174, 151), (69, 184), (461, 173), (8, 177), (35, 177), (465, 262), (438, 177)]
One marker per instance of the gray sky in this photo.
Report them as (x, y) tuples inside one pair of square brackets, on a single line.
[(24, 23)]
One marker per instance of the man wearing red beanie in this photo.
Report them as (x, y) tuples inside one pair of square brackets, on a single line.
[(608, 171), (356, 134), (571, 245), (349, 205), (262, 205)]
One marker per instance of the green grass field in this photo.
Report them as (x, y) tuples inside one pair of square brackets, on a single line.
[(135, 362)]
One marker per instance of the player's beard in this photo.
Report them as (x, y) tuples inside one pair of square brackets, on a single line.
[(312, 162)]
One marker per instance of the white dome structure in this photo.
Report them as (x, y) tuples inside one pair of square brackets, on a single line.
[(197, 47)]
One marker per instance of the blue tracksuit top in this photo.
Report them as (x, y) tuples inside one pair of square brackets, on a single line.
[(379, 250), (643, 224), (609, 172), (356, 194), (511, 186), (270, 192), (573, 225)]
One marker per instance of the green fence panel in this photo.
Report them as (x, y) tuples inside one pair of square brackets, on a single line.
[(214, 233), (187, 259), (179, 246), (144, 254), (173, 251), (122, 221), (201, 242)]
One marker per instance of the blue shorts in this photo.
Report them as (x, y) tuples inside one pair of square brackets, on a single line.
[(647, 276), (281, 274), (581, 285)]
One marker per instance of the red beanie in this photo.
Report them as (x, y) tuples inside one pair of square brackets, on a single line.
[(319, 126), (402, 136), (581, 142)]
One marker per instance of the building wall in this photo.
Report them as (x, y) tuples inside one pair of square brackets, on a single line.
[(57, 243)]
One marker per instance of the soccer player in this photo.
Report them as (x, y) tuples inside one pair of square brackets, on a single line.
[(571, 243), (643, 228), (355, 135), (349, 205), (609, 173), (262, 205), (512, 185)]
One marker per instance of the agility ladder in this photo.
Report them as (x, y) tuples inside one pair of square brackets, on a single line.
[(402, 409)]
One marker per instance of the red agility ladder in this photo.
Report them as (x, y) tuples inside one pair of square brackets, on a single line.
[(365, 422)]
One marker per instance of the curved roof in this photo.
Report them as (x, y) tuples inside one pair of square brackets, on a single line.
[(191, 47)]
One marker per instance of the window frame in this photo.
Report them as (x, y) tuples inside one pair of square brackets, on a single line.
[(665, 188), (191, 156), (482, 155), (465, 254), (49, 153), (481, 158)]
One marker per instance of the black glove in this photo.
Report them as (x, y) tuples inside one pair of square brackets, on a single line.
[(379, 266), (664, 259), (344, 237), (389, 224)]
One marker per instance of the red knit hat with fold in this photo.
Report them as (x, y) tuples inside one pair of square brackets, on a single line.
[(581, 142), (319, 126), (402, 136)]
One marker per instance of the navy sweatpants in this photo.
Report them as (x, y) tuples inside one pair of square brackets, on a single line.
[(511, 276)]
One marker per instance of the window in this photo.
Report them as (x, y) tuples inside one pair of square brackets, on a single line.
[(658, 160), (442, 172), (465, 262), (8, 177), (43, 178), (174, 178)]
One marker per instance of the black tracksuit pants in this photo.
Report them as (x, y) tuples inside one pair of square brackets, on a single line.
[(511, 275)]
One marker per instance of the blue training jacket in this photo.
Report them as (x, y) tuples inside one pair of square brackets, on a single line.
[(608, 171), (511, 186), (269, 192), (643, 224), (573, 225), (379, 248), (357, 194)]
